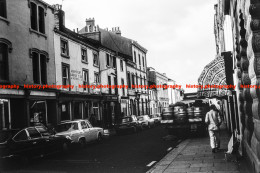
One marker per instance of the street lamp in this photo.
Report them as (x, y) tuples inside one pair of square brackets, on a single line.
[(137, 99)]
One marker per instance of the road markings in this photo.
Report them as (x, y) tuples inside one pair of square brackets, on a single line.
[(150, 164), (169, 149)]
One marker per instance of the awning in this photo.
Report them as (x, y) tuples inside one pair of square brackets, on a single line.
[(214, 76)]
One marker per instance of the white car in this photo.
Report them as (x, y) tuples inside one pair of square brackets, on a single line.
[(146, 121), (157, 119), (80, 131)]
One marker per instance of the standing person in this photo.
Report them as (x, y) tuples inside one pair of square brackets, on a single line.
[(213, 120)]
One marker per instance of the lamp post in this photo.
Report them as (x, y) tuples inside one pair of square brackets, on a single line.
[(137, 99)]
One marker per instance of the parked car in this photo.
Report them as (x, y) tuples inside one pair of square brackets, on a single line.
[(80, 131), (156, 117), (31, 142), (128, 123), (146, 121)]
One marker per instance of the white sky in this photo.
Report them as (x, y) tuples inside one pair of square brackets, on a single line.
[(178, 34)]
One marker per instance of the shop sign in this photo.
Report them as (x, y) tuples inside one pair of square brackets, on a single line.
[(75, 75)]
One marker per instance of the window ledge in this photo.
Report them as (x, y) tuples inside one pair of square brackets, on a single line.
[(65, 56), (95, 65), (38, 33), (5, 20), (85, 62)]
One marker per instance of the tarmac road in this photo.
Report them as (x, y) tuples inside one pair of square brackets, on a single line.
[(125, 153)]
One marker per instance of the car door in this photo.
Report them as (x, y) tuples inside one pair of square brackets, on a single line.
[(86, 131), (20, 144), (37, 142), (50, 145), (93, 131)]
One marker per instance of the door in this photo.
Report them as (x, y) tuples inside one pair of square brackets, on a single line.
[(86, 131), (20, 144), (92, 131), (37, 142)]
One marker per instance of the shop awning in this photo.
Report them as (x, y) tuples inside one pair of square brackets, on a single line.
[(214, 76)]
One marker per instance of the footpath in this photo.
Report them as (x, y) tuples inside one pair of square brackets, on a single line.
[(194, 155)]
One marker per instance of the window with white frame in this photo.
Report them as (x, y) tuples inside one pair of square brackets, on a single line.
[(96, 77), (95, 59), (84, 56), (64, 47), (85, 79), (65, 74)]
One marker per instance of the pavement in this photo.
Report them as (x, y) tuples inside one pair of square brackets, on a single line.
[(194, 155)]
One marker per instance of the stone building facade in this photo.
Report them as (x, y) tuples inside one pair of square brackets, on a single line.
[(26, 58), (245, 24)]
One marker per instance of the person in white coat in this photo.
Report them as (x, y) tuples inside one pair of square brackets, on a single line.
[(213, 120)]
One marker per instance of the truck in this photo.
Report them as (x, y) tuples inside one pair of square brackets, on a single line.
[(185, 117)]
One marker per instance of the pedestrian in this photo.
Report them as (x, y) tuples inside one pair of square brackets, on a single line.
[(213, 120)]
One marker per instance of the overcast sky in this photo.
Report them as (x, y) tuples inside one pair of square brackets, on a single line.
[(178, 34)]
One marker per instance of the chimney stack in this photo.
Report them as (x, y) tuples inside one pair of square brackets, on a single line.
[(116, 30), (59, 17)]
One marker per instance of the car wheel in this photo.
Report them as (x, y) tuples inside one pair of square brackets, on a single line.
[(65, 147), (134, 129), (82, 143), (99, 138)]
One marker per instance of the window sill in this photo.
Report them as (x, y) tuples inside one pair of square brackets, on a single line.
[(5, 20), (85, 62), (65, 56), (38, 33), (95, 65)]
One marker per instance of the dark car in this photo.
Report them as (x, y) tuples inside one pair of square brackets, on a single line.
[(129, 123), (31, 142)]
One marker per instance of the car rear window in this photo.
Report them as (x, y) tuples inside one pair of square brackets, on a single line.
[(67, 127)]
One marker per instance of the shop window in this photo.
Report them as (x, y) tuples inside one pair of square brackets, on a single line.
[(38, 112), (123, 89), (3, 61), (65, 74), (95, 59), (3, 8), (78, 110), (121, 65), (4, 114), (84, 57), (65, 111), (39, 68), (37, 18), (64, 47), (85, 80), (96, 77)]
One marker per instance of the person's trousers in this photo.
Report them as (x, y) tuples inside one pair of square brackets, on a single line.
[(214, 138)]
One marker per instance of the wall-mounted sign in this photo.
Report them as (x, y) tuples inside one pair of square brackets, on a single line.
[(75, 75)]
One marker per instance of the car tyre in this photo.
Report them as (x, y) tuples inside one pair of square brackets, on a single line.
[(82, 143), (99, 138), (134, 129), (65, 147)]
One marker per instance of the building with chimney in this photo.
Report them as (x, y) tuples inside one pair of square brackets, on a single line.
[(26, 58), (128, 70)]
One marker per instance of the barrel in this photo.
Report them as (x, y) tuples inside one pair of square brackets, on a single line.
[(198, 112), (190, 112), (167, 113), (181, 115)]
